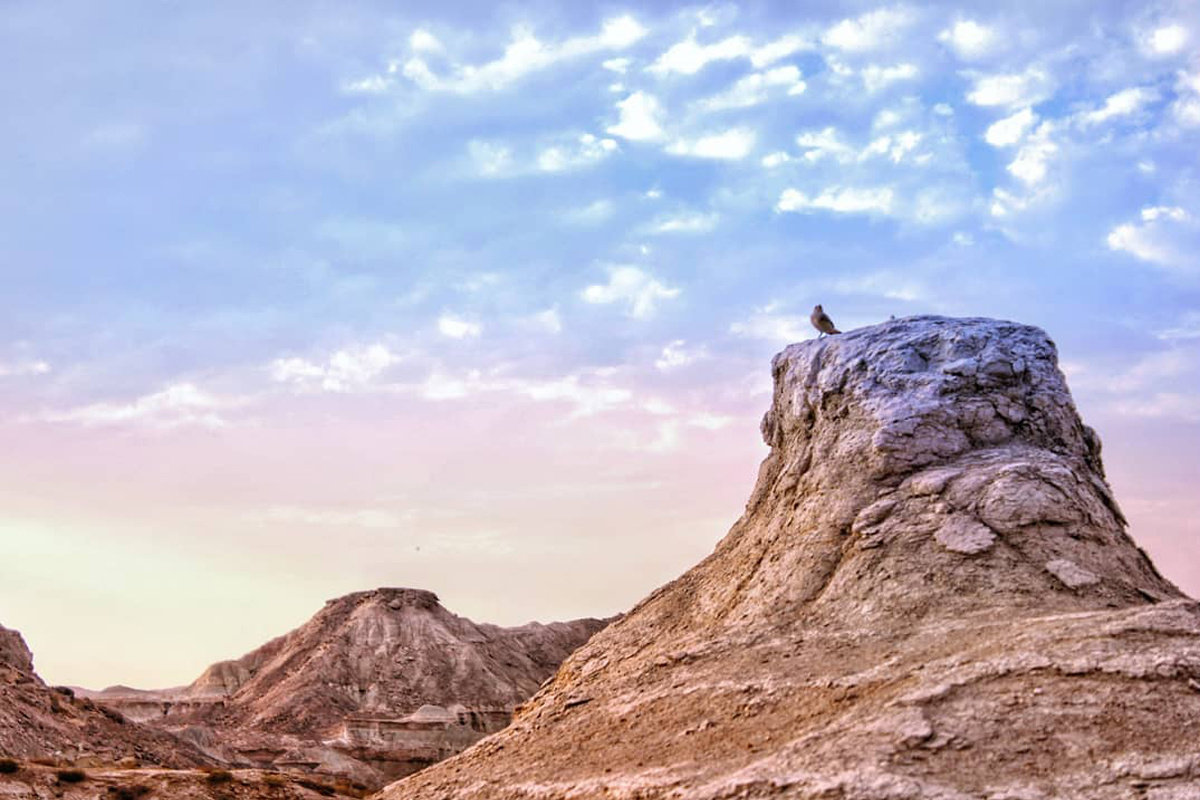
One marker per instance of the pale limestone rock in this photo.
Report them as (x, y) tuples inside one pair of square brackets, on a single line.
[(881, 623), (962, 534), (1071, 574)]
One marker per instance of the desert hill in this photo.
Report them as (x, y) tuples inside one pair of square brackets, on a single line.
[(376, 685), (931, 594), (52, 724)]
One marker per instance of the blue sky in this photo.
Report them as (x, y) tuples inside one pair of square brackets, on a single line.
[(295, 290)]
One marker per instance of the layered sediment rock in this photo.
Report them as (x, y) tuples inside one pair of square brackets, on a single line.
[(931, 594), (377, 685)]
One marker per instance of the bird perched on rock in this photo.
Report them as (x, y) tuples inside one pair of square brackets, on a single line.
[(822, 322)]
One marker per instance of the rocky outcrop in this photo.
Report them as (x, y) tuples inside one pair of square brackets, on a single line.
[(53, 725), (931, 594), (377, 685)]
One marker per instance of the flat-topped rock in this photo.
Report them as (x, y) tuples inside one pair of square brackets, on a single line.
[(931, 594)]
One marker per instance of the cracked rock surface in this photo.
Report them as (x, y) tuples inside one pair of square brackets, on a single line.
[(931, 594)]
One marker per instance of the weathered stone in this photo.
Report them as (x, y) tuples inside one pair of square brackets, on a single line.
[(961, 534), (377, 685), (1071, 574), (886, 629)]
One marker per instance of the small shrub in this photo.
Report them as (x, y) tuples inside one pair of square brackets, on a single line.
[(71, 776), (8, 766), (135, 792), (218, 776)]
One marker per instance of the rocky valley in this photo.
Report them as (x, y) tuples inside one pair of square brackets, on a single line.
[(377, 685)]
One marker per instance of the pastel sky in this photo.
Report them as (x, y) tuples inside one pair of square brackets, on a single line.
[(310, 297)]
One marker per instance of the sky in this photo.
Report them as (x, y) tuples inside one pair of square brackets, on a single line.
[(307, 298)]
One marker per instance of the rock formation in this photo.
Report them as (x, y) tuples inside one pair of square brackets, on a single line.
[(931, 594), (376, 685), (53, 725)]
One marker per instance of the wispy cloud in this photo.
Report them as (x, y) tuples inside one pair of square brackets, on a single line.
[(524, 54), (179, 405), (347, 370), (639, 291)]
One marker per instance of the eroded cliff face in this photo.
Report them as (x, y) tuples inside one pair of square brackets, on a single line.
[(51, 724), (377, 685), (931, 595)]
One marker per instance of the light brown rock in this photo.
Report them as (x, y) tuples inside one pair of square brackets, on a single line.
[(883, 622), (378, 684)]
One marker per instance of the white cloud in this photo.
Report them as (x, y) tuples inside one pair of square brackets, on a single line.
[(177, 406), (894, 146), (523, 55), (969, 40), (869, 31), (372, 84), (689, 57), (685, 223), (21, 368), (825, 143), (1166, 40), (640, 115), (782, 47), (617, 65), (677, 354), (458, 328), (876, 77), (592, 214), (346, 370), (768, 324), (1166, 237), (731, 145), (585, 151), (1032, 160), (838, 200), (1012, 89), (1164, 212), (638, 290), (491, 159), (756, 88), (772, 160), (1010, 130), (1121, 104), (591, 397), (422, 41), (1186, 108)]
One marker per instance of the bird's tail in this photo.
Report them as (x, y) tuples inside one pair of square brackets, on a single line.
[(835, 330)]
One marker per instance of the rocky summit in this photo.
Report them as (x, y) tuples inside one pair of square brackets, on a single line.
[(377, 685), (931, 594)]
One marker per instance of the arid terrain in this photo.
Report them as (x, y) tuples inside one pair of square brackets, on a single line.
[(377, 685), (931, 594)]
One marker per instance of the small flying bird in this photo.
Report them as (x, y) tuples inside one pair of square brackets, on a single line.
[(822, 322)]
